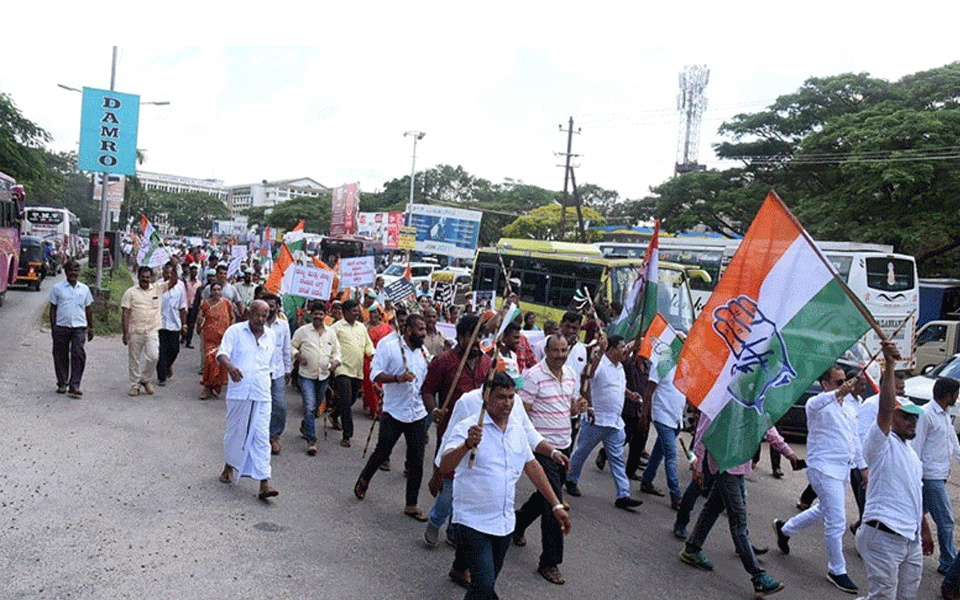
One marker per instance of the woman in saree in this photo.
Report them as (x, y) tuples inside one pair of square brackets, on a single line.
[(216, 314)]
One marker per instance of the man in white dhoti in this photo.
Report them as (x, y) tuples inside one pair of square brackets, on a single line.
[(245, 352)]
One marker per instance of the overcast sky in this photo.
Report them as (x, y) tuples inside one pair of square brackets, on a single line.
[(489, 83)]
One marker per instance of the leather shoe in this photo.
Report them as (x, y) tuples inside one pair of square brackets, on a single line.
[(345, 442), (461, 578), (627, 503), (573, 490)]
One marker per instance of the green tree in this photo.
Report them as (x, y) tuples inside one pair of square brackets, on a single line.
[(543, 223), (22, 154), (314, 210)]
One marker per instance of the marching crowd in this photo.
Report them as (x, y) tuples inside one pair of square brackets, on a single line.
[(505, 406)]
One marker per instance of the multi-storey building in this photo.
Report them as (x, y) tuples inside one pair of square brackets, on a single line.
[(271, 193)]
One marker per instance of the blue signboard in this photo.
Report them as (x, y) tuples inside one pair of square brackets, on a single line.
[(108, 132), (449, 231)]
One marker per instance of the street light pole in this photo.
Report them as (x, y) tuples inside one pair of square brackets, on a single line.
[(417, 136), (103, 189)]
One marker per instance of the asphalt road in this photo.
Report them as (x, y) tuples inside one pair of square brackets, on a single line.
[(117, 497)]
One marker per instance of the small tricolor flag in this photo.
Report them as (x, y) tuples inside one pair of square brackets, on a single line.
[(661, 346), (641, 304)]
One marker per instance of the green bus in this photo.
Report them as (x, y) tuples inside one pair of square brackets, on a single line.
[(546, 275)]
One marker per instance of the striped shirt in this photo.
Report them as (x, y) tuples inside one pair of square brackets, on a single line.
[(548, 401)]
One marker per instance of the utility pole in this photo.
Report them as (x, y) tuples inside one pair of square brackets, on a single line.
[(103, 190), (566, 174), (576, 198)]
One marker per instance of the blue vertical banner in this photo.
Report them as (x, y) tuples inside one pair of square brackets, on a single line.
[(108, 132)]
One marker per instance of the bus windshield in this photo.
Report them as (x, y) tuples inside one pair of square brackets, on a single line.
[(889, 274), (673, 300)]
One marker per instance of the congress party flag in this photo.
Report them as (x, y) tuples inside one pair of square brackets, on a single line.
[(641, 304), (661, 346), (776, 320), (284, 260)]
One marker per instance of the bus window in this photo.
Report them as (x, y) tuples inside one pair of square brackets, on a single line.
[(533, 286), (889, 274), (842, 265), (562, 290)]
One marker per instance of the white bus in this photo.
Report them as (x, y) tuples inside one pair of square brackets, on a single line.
[(885, 282), (55, 224)]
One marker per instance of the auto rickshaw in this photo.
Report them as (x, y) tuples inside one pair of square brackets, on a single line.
[(32, 268)]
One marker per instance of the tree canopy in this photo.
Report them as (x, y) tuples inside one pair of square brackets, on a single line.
[(856, 157)]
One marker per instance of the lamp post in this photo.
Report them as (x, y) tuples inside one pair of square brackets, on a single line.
[(417, 136)]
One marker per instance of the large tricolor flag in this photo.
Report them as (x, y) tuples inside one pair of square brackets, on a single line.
[(641, 304), (776, 320), (661, 346)]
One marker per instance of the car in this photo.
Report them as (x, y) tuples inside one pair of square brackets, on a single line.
[(794, 421), (419, 271), (919, 389)]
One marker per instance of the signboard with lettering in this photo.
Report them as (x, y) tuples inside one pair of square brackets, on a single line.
[(357, 272), (108, 132), (399, 290), (448, 231), (310, 282)]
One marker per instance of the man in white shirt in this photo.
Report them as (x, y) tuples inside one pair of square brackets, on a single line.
[(483, 495), (399, 365), (280, 368), (936, 444), (603, 423), (173, 319), (246, 352), (71, 322), (666, 411), (889, 541), (833, 448)]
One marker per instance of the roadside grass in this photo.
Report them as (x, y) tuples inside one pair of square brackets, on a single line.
[(107, 317)]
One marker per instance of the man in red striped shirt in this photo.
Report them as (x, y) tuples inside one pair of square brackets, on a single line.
[(550, 395)]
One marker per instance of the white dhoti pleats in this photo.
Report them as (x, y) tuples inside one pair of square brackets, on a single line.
[(246, 443)]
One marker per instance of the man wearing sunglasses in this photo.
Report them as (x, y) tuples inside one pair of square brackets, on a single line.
[(833, 448)]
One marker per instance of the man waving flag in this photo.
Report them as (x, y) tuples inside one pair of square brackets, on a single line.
[(776, 320), (641, 304)]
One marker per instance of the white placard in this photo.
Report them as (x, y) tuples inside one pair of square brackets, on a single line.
[(357, 272), (310, 282)]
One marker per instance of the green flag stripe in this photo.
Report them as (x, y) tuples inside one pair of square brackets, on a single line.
[(814, 338)]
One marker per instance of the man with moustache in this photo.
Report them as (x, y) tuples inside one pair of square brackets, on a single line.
[(400, 366), (280, 367)]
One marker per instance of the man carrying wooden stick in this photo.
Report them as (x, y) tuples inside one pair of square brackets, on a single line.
[(400, 365), (501, 450)]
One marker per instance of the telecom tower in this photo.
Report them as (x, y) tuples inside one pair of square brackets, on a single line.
[(691, 104)]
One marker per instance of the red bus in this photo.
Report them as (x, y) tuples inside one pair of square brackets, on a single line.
[(12, 200)]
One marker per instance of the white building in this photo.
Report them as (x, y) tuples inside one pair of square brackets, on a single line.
[(271, 193), (181, 185)]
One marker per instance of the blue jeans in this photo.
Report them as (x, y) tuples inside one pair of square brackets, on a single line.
[(665, 449), (312, 391), (727, 493), (442, 506), (278, 406), (937, 503), (613, 440), (485, 554)]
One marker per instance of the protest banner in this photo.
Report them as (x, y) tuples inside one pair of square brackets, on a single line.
[(357, 272), (311, 282), (399, 290)]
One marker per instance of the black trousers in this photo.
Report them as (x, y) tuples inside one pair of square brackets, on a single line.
[(537, 506), (169, 349), (415, 434), (69, 357), (347, 389)]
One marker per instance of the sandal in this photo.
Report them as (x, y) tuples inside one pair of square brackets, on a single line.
[(268, 493), (360, 489), (226, 477), (206, 394), (417, 515), (552, 574)]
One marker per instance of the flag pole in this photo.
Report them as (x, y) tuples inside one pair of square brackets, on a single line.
[(836, 277)]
